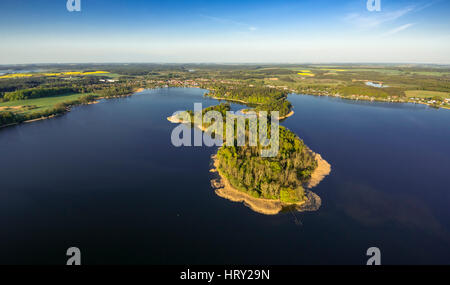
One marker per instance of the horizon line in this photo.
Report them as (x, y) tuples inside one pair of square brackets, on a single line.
[(225, 63)]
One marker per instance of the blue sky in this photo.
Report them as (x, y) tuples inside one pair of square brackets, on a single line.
[(225, 31)]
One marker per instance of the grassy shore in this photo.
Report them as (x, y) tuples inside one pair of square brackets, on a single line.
[(32, 110)]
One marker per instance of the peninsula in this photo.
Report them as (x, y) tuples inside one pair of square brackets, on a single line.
[(267, 185)]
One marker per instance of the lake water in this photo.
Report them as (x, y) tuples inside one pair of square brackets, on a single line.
[(106, 178)]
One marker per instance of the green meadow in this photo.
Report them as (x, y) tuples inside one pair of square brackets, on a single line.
[(39, 104), (426, 94)]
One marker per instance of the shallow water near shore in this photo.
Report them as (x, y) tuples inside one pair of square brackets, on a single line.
[(106, 178)]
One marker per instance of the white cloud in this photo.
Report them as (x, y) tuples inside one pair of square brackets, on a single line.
[(398, 29)]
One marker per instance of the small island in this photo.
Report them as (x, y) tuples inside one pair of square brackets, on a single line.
[(267, 185)]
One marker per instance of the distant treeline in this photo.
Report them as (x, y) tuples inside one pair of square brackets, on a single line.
[(36, 93), (13, 84), (118, 90), (105, 90)]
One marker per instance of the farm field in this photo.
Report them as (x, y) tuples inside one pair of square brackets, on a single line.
[(426, 94)]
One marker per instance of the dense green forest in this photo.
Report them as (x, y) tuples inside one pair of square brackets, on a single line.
[(251, 95), (7, 118), (37, 93), (279, 178), (114, 91), (260, 97)]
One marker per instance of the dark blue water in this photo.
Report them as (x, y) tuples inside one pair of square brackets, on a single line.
[(106, 178)]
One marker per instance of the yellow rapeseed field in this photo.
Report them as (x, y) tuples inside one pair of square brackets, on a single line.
[(70, 73), (306, 73)]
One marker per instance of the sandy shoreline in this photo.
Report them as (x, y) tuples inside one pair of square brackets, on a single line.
[(313, 202), (40, 119), (175, 120), (291, 113), (323, 169)]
